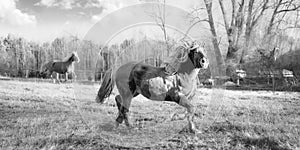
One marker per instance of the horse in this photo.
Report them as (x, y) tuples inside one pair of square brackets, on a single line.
[(64, 66), (155, 83)]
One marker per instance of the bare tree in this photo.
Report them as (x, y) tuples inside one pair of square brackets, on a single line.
[(235, 27), (218, 56), (253, 15), (159, 15), (281, 8)]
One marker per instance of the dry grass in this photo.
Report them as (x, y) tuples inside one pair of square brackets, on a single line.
[(50, 116)]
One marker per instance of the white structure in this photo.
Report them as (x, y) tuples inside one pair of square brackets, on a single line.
[(241, 74), (287, 73), (288, 77)]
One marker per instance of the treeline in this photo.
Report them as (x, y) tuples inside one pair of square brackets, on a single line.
[(22, 58), (145, 50)]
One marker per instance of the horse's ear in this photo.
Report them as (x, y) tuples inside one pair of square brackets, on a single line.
[(195, 45), (202, 44), (186, 44)]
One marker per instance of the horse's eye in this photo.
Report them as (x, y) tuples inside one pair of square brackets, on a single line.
[(203, 61)]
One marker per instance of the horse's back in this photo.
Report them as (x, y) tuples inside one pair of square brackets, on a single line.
[(124, 71), (130, 75), (139, 71), (62, 67), (143, 71), (47, 66)]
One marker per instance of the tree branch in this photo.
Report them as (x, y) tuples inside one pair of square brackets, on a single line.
[(263, 9), (224, 16), (233, 3), (188, 30), (287, 10)]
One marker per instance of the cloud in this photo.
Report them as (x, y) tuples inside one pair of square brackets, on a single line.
[(93, 3), (109, 6), (112, 5), (63, 4), (9, 14), (69, 4), (105, 3), (48, 3)]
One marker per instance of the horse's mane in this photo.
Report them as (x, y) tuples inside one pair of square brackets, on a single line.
[(67, 58), (177, 56)]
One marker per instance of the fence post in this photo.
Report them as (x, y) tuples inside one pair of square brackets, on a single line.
[(273, 82), (26, 73)]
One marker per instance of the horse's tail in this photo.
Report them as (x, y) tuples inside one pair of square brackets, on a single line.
[(46, 69), (43, 69), (106, 87), (46, 66)]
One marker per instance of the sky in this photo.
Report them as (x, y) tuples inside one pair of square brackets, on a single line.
[(44, 20)]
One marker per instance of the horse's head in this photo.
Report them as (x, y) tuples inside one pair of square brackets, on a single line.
[(187, 57), (196, 55), (75, 57)]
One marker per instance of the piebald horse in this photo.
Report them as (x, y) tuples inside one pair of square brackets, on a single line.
[(155, 83), (64, 66)]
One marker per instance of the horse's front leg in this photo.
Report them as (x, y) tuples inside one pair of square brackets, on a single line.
[(185, 102), (73, 76), (66, 76), (57, 78)]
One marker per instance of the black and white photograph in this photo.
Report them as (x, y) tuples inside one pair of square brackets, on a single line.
[(150, 74)]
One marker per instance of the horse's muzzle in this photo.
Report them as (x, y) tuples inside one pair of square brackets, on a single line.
[(204, 63), (97, 99)]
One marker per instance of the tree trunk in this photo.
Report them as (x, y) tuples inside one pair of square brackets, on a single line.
[(234, 31), (219, 70), (271, 23), (248, 30), (229, 29)]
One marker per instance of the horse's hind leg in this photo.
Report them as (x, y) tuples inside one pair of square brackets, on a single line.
[(52, 78), (51, 75), (58, 78), (120, 117), (123, 107), (185, 102)]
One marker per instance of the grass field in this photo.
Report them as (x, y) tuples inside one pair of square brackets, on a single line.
[(36, 115)]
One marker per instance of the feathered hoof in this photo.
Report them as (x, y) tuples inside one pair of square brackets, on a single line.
[(117, 124), (130, 127), (195, 131)]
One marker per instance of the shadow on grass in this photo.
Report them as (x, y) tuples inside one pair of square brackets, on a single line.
[(226, 127), (261, 142), (237, 136), (77, 142)]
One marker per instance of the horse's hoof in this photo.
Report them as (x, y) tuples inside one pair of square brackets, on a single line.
[(129, 127), (193, 129), (196, 131), (177, 116), (116, 125)]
